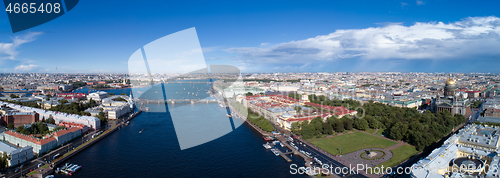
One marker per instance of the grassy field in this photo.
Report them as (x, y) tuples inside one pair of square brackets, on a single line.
[(253, 116), (400, 154), (351, 142), (370, 131), (379, 132), (31, 173)]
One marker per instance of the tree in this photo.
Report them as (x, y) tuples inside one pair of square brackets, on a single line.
[(51, 120), (361, 124), (10, 126), (249, 94), (339, 126), (13, 96), (308, 131), (297, 109), (398, 131), (347, 123), (43, 119), (327, 129), (102, 117), (476, 104), (121, 99), (19, 128), (3, 160), (296, 128)]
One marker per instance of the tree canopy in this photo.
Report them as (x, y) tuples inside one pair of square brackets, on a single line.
[(407, 124)]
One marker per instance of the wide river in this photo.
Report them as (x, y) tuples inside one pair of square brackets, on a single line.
[(156, 151)]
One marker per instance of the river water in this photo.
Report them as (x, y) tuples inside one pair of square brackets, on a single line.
[(156, 151)]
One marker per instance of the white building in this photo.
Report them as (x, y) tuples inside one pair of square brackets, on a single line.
[(90, 121), (98, 96), (472, 143), (16, 155), (42, 145)]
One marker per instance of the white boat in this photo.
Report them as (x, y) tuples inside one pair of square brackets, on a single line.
[(267, 146), (276, 153)]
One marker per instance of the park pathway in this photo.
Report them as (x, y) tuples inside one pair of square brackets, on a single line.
[(400, 143)]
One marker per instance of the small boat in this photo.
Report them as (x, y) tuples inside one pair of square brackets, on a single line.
[(141, 131), (228, 115), (267, 146), (268, 138), (126, 123), (275, 152)]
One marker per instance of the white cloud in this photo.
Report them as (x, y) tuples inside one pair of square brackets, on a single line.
[(9, 49), (26, 68), (468, 38), (420, 3), (403, 4)]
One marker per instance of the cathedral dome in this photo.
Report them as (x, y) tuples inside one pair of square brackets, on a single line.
[(450, 81)]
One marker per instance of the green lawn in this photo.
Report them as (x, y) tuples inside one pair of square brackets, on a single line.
[(45, 166), (379, 132), (31, 173), (253, 116), (400, 154), (370, 131), (351, 142)]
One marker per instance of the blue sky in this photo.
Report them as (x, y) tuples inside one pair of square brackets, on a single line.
[(268, 36)]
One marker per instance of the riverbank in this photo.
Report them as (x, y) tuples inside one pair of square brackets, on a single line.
[(44, 171), (282, 139)]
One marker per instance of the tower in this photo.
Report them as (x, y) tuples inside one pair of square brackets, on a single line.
[(450, 88), (304, 97)]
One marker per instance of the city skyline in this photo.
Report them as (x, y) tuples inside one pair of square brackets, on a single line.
[(409, 36)]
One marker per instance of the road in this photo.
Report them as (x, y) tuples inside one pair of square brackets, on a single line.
[(321, 156), (48, 156)]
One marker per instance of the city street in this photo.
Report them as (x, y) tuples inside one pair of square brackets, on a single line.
[(321, 156)]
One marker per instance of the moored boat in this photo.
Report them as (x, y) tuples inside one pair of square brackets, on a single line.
[(275, 152), (267, 146)]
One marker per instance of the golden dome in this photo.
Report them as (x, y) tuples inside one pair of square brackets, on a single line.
[(450, 81)]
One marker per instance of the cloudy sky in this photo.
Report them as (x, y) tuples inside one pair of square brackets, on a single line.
[(261, 36)]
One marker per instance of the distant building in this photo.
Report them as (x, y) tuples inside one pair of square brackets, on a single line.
[(450, 102), (19, 118), (98, 96), (473, 94), (90, 121), (492, 112), (71, 96), (65, 87), (84, 128), (115, 109), (16, 155), (9, 115)]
